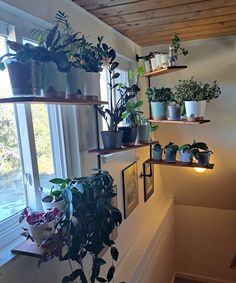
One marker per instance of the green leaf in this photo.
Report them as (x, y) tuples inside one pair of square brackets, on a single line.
[(114, 65), (110, 273), (2, 66), (115, 76), (57, 181), (114, 253), (99, 261), (100, 279)]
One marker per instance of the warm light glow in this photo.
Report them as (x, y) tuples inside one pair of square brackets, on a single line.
[(199, 169)]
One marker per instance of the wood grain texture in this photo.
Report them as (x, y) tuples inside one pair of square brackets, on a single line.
[(150, 22)]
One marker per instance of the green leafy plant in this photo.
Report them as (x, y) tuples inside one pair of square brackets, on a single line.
[(191, 90), (143, 121), (138, 72), (178, 50), (86, 227), (56, 191), (113, 116), (172, 146), (162, 94), (132, 113), (157, 147), (194, 146)]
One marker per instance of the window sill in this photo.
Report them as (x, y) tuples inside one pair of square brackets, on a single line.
[(5, 253)]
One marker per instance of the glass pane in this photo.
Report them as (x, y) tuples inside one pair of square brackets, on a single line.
[(43, 143), (12, 192)]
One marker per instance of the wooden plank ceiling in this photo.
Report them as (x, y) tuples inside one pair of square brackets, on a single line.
[(150, 22)]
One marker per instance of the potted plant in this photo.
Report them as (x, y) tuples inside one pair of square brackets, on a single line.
[(112, 138), (186, 151), (175, 50), (170, 151), (86, 227), (157, 152), (202, 154), (144, 130), (55, 198), (195, 94), (158, 97), (131, 115), (41, 225)]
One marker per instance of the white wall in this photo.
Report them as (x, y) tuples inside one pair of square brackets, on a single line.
[(206, 203), (139, 228)]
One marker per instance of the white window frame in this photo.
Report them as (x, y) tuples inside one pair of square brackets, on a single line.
[(60, 119)]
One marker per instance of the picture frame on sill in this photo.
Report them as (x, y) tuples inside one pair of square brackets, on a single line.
[(148, 180), (130, 188)]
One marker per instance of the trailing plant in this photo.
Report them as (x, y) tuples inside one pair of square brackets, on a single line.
[(178, 50), (132, 113), (113, 115), (162, 94), (191, 90), (86, 227)]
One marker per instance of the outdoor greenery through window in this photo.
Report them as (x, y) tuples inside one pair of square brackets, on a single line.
[(12, 191)]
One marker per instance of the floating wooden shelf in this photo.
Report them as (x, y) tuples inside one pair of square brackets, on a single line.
[(29, 248), (50, 100), (179, 121), (165, 71), (181, 164), (123, 148)]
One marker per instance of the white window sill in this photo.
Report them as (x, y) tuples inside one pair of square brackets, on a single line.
[(5, 252)]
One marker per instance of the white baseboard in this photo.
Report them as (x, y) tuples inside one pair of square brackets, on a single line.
[(201, 278)]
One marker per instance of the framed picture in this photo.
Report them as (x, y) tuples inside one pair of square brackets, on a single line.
[(130, 188), (148, 180)]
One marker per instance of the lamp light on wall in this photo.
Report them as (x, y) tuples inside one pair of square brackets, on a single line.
[(199, 169)]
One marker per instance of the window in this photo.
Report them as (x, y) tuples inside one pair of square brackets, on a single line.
[(26, 153), (104, 79), (12, 190)]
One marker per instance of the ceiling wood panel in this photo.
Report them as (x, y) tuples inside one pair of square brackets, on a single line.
[(150, 22)]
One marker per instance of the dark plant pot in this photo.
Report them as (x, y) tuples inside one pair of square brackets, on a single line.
[(157, 155), (203, 158), (170, 155), (174, 112), (112, 140), (129, 135), (143, 134), (185, 157), (25, 78)]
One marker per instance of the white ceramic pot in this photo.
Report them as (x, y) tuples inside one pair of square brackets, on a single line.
[(40, 232), (75, 83), (195, 110), (92, 85), (158, 61), (50, 205), (147, 66), (164, 60), (54, 81), (153, 64)]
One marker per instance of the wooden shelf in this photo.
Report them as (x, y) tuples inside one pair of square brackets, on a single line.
[(181, 164), (50, 100), (29, 248), (165, 71), (123, 148), (179, 121)]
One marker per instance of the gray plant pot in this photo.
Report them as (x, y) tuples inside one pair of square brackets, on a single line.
[(112, 140), (75, 83), (203, 158), (129, 135), (157, 155), (25, 78), (143, 135), (170, 155), (174, 112), (185, 157)]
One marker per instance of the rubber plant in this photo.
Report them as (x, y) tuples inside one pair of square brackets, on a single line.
[(86, 227)]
